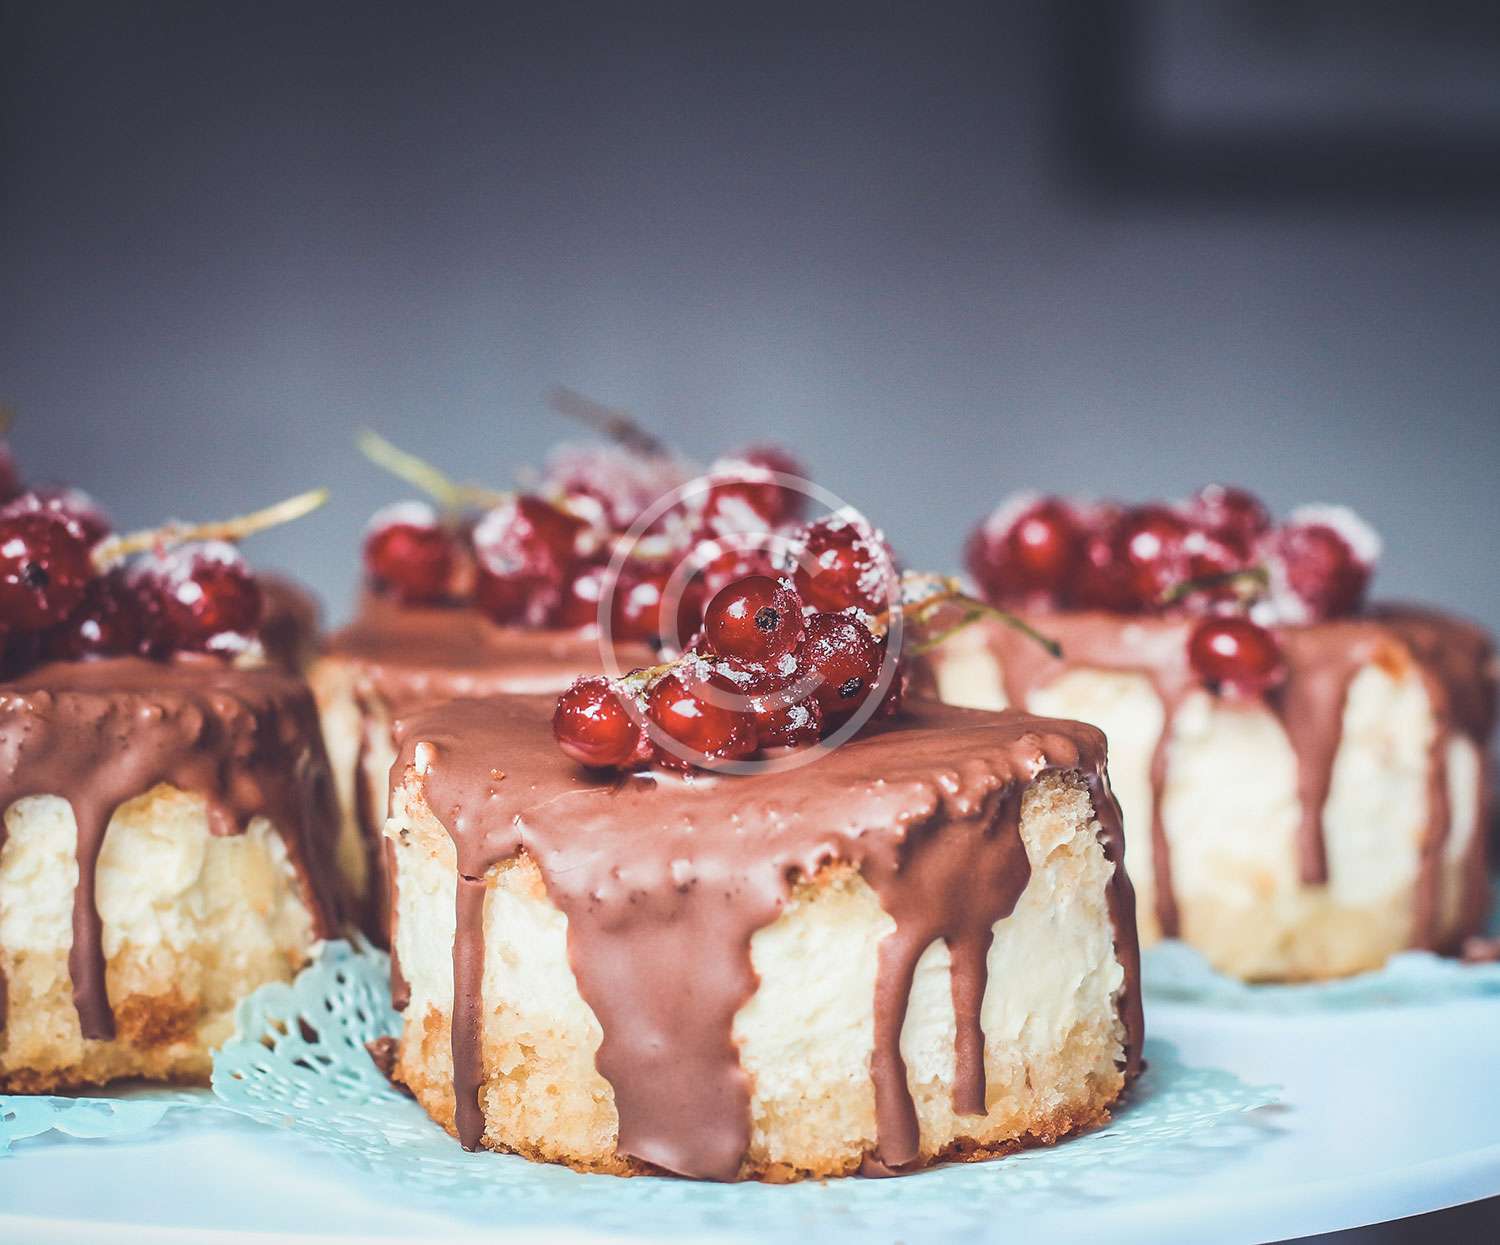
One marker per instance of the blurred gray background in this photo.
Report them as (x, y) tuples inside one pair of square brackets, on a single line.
[(945, 251)]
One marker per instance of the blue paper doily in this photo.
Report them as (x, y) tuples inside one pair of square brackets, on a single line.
[(1173, 972), (124, 1113), (298, 1060)]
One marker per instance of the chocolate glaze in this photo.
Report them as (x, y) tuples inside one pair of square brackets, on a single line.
[(1456, 661), (406, 656), (98, 734), (664, 880)]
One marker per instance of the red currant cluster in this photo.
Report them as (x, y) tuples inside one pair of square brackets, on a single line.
[(782, 660), (66, 594), (542, 559), (1219, 554)]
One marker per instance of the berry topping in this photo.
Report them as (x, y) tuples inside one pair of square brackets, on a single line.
[(409, 553), (73, 504), (1235, 654), (844, 563), (1030, 547), (636, 611), (44, 569), (843, 658), (525, 548), (208, 601), (1218, 551), (1150, 548), (757, 619), (779, 724), (1321, 562), (1231, 515), (109, 622), (692, 711), (744, 495), (593, 726)]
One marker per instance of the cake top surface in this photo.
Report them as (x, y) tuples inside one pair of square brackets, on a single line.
[(203, 681), (411, 650), (492, 773)]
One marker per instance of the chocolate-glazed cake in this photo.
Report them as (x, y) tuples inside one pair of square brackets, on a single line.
[(919, 946), (166, 848), (1306, 826), (395, 657)]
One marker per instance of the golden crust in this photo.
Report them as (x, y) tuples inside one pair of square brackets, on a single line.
[(432, 1087)]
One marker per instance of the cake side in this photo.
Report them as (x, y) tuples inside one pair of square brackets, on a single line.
[(191, 922), (1310, 833), (167, 846), (766, 977)]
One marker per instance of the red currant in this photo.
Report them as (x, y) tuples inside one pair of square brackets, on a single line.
[(1321, 566), (72, 504), (593, 726), (581, 592), (1235, 654), (844, 658), (744, 495), (525, 548), (843, 562), (1032, 550), (408, 551), (44, 569), (108, 623), (779, 724), (1100, 583), (1150, 548), (1232, 515), (757, 619), (686, 708), (205, 596), (636, 608)]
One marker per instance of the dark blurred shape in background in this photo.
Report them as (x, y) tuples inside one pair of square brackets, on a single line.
[(946, 251), (1361, 103)]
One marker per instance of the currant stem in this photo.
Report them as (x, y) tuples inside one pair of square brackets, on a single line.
[(418, 472), (115, 549), (1248, 584), (7, 418), (617, 425), (974, 610)]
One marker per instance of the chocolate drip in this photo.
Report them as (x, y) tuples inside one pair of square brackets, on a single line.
[(949, 881), (1456, 661), (665, 880), (1153, 648), (467, 1037), (98, 734)]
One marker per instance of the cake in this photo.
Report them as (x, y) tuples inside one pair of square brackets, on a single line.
[(918, 947), (168, 814), (165, 851), (290, 621), (1304, 775)]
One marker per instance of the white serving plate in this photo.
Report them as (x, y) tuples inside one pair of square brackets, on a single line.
[(1385, 1114)]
